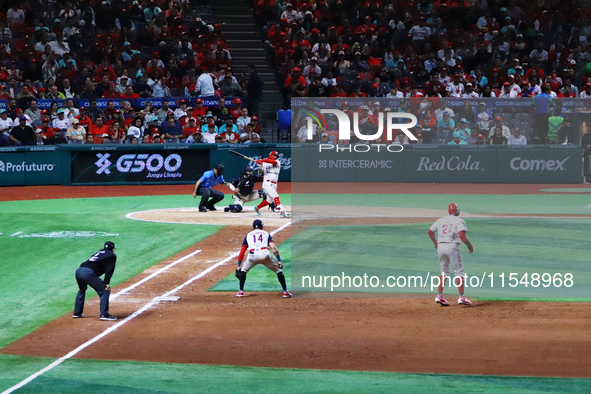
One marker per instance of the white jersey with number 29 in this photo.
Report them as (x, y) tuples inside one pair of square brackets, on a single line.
[(448, 229)]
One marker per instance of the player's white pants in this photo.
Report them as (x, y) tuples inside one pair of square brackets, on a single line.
[(450, 253), (271, 189), (260, 256), (241, 199)]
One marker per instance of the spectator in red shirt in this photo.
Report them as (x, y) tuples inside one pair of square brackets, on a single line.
[(129, 94), (97, 129), (296, 75), (199, 108), (83, 118), (111, 93), (191, 127)]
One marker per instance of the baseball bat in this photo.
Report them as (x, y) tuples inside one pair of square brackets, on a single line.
[(241, 155)]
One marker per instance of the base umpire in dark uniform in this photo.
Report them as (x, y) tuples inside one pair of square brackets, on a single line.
[(243, 188), (102, 262)]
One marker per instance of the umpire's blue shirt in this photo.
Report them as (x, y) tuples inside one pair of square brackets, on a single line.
[(208, 179)]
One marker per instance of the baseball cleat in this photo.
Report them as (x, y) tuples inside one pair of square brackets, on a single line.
[(240, 294), (257, 210), (108, 317), (202, 209), (77, 315), (441, 300), (284, 215), (212, 208), (227, 209), (464, 301), (287, 294)]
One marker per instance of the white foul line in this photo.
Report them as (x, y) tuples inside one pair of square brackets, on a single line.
[(154, 274), (128, 318)]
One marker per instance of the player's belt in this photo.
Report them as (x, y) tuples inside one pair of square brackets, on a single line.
[(252, 250), (271, 181)]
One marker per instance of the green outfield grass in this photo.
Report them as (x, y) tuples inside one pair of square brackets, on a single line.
[(501, 246), (575, 204), (92, 376)]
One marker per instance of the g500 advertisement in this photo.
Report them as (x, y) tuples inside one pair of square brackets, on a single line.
[(113, 166)]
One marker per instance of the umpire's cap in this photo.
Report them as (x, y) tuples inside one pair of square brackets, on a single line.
[(257, 224), (220, 168), (109, 245)]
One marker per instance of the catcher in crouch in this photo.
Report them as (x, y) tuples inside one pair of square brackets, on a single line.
[(270, 169), (243, 188)]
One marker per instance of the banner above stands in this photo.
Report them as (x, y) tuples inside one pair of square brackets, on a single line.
[(136, 103), (524, 104)]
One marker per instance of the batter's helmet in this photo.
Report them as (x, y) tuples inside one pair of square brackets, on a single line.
[(453, 209), (257, 224), (220, 168), (109, 245), (274, 155)]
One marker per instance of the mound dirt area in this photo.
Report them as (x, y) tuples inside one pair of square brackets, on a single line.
[(219, 217)]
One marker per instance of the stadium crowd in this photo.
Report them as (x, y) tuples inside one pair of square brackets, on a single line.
[(119, 51), (436, 49)]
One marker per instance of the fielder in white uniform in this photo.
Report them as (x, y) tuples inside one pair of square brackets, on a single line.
[(451, 231), (256, 246), (270, 169)]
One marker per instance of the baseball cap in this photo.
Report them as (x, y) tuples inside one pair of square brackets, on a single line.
[(296, 69), (60, 111), (76, 121), (109, 245), (105, 135), (2, 111), (456, 134), (463, 120), (155, 135), (445, 112), (469, 84), (324, 135), (191, 120), (499, 118), (482, 103), (199, 101), (255, 134), (37, 131), (506, 84), (481, 136), (254, 118), (364, 108)]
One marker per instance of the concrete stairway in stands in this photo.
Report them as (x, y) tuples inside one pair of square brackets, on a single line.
[(244, 42)]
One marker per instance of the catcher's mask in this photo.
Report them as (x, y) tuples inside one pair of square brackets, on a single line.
[(220, 169), (248, 170), (453, 209), (257, 224)]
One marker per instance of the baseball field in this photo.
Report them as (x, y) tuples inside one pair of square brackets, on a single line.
[(533, 337)]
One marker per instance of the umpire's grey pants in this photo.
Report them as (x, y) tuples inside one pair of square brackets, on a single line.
[(86, 277)]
